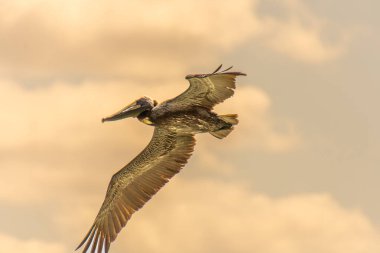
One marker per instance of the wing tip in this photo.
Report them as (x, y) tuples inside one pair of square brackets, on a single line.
[(236, 73), (216, 72), (89, 233)]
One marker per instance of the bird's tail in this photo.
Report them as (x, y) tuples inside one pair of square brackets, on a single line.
[(231, 120)]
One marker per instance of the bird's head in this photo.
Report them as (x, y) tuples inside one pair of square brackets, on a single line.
[(134, 109)]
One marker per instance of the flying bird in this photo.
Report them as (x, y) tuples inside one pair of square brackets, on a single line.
[(175, 122)]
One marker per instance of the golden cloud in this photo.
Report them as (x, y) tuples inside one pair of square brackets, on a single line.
[(257, 128), (213, 216), (75, 40), (52, 138), (11, 244), (299, 33)]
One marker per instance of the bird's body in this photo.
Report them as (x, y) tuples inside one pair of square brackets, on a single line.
[(176, 121), (193, 121)]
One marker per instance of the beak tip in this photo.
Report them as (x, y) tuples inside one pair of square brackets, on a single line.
[(103, 120)]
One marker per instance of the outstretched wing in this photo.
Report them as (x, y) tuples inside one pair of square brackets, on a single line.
[(136, 183), (206, 90)]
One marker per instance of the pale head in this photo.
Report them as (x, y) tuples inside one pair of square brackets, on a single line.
[(134, 109)]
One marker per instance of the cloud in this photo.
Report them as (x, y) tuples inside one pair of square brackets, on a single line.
[(112, 39), (257, 128), (299, 34), (75, 40), (57, 158), (10, 244), (213, 216), (301, 43)]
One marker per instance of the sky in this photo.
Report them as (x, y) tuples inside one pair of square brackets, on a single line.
[(298, 174)]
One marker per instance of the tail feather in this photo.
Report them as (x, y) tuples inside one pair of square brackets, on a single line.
[(229, 118), (220, 134)]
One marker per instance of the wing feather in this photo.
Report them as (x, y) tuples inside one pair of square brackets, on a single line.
[(206, 90), (136, 183), (95, 242), (101, 242)]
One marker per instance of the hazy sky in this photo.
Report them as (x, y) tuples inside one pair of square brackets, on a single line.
[(298, 174)]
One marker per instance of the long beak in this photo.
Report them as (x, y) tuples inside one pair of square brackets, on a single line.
[(132, 110)]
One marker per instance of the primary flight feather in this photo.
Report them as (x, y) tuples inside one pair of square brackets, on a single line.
[(175, 122)]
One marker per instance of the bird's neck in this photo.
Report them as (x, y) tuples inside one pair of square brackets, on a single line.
[(144, 117)]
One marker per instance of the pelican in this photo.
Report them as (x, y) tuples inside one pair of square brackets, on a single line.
[(175, 122)]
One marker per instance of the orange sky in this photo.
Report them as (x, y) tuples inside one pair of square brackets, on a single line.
[(297, 175)]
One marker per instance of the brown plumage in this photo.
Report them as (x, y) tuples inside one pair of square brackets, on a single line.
[(176, 122)]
